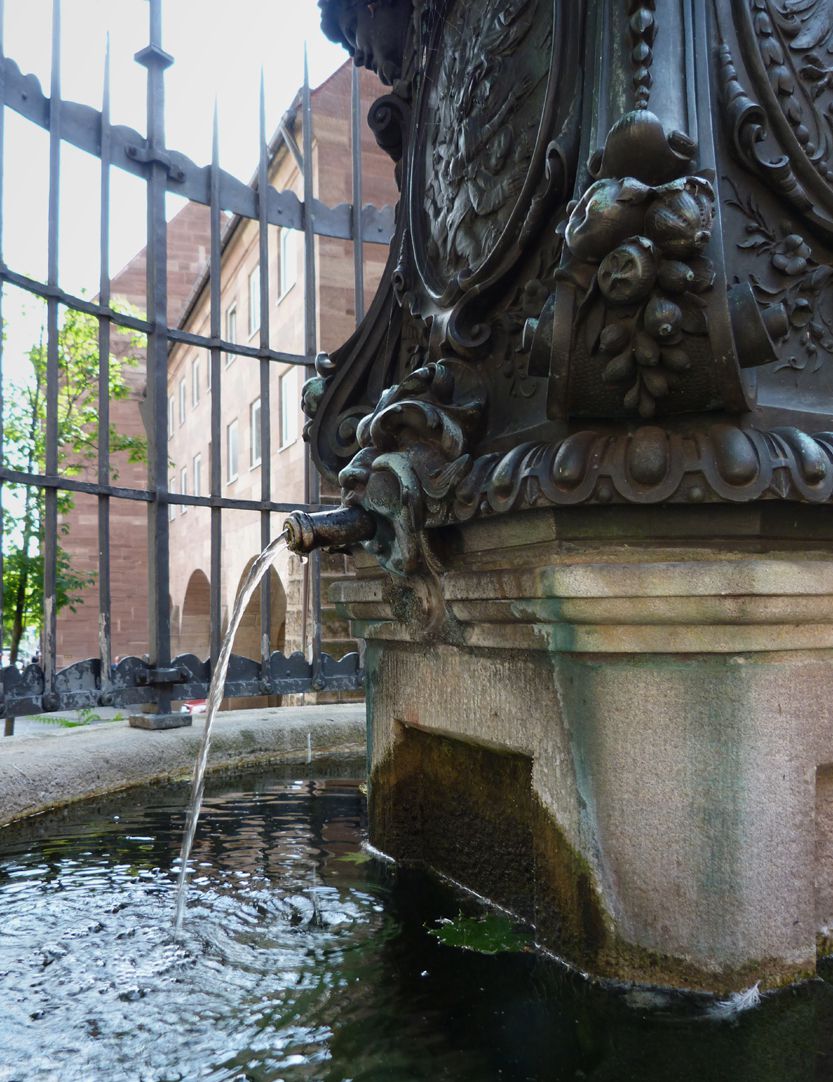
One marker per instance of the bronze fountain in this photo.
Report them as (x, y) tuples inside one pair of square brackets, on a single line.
[(586, 430)]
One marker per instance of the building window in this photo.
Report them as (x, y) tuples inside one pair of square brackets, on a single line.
[(195, 381), (231, 330), (183, 486), (254, 433), (287, 262), (254, 301), (231, 452), (171, 507), (170, 415), (289, 408), (182, 401), (197, 474)]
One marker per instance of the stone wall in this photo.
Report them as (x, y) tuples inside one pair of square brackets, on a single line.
[(77, 638), (617, 724)]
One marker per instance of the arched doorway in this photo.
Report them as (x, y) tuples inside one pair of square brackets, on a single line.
[(195, 625), (247, 639)]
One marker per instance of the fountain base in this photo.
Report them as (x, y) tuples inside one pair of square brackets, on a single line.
[(618, 726)]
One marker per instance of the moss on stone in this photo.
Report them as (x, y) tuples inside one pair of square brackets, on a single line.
[(470, 813)]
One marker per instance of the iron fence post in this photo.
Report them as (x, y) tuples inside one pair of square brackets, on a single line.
[(265, 384), (156, 60), (313, 482), (50, 517), (104, 600)]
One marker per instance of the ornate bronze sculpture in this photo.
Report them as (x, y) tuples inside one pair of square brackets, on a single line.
[(610, 281), (586, 423)]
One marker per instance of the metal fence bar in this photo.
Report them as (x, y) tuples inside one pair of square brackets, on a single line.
[(156, 60), (184, 177), (238, 348), (136, 323), (356, 151), (104, 599), (313, 493), (70, 300), (100, 682), (265, 395), (142, 495), (50, 519), (215, 463)]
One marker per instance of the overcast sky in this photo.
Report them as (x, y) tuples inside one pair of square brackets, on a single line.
[(219, 47)]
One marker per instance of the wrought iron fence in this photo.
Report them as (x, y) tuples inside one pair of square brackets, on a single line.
[(161, 678)]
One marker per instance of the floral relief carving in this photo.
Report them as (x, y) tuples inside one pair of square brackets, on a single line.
[(525, 350), (805, 27), (485, 111), (778, 98), (794, 292), (795, 27)]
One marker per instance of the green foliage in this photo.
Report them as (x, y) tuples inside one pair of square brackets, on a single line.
[(79, 435), (23, 585), (78, 427), (86, 716), (489, 934)]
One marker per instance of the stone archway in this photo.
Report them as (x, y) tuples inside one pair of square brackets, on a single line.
[(195, 625), (247, 639)]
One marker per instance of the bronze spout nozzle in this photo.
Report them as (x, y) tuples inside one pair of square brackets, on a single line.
[(340, 528)]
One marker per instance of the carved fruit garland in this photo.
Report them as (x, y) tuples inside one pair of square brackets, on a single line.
[(644, 295)]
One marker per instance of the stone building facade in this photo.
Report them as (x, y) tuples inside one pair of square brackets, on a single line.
[(77, 632), (189, 403)]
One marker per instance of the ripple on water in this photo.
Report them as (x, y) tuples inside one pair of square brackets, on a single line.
[(297, 965), (93, 976)]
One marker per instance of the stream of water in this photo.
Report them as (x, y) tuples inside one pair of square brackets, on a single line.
[(215, 697)]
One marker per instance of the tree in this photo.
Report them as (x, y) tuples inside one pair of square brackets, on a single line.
[(25, 450)]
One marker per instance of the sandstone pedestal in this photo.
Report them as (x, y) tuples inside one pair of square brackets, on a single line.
[(626, 741)]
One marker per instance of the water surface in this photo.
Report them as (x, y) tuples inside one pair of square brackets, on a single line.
[(296, 963)]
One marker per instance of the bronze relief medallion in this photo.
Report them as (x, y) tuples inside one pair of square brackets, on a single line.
[(483, 100)]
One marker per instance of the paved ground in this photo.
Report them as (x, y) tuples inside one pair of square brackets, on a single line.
[(46, 766)]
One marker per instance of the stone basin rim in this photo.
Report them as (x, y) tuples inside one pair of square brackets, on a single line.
[(45, 773)]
